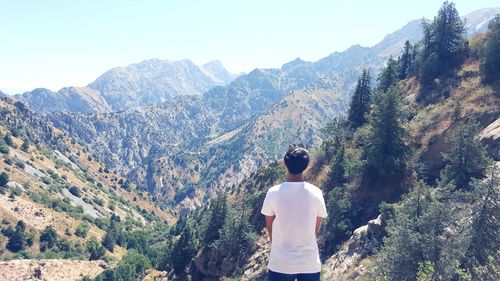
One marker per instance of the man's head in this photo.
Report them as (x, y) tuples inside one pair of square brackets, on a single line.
[(296, 160)]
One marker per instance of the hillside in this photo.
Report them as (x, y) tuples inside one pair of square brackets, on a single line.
[(54, 183)]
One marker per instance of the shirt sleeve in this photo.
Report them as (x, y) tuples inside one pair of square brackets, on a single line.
[(322, 207), (267, 207)]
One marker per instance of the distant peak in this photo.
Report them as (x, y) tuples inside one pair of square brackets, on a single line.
[(217, 63)]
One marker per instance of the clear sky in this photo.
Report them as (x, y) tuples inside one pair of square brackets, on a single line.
[(56, 43)]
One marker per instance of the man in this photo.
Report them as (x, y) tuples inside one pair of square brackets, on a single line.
[(293, 212)]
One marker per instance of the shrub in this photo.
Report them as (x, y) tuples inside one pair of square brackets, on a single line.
[(82, 230), (75, 190)]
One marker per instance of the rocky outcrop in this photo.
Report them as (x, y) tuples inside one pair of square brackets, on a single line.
[(490, 136), (351, 262)]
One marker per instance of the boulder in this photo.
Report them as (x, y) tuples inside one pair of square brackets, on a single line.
[(490, 136)]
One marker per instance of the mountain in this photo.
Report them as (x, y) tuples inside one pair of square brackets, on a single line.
[(218, 138), (155, 81), (71, 99), (218, 73), (146, 83), (477, 21)]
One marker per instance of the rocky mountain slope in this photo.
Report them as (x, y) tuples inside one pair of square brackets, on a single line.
[(50, 182)]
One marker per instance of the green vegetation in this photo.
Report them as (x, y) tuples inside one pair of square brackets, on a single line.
[(467, 157), (384, 147), (82, 230), (17, 241), (4, 179), (48, 238), (360, 101), (95, 249), (491, 61), (442, 48)]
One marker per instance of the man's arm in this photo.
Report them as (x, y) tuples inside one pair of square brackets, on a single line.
[(318, 224), (269, 225)]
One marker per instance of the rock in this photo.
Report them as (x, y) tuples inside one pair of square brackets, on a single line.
[(37, 273), (350, 262), (490, 136)]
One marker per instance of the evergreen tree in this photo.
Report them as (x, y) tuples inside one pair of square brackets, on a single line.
[(17, 241), (338, 225), (424, 232), (48, 238), (336, 176), (442, 44), (217, 217), (386, 151), (467, 157), (95, 249), (491, 64), (486, 223), (184, 249), (405, 62), (25, 146), (388, 76), (115, 234), (4, 179), (448, 34), (360, 101), (8, 140)]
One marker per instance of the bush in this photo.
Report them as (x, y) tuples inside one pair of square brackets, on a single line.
[(17, 241), (95, 249), (82, 230), (4, 179), (48, 238), (20, 164), (75, 190), (4, 149), (8, 161)]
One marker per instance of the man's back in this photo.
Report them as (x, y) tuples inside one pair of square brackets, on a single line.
[(296, 207)]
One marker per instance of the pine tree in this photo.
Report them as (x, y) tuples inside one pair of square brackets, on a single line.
[(25, 146), (486, 223), (336, 176), (389, 75), (48, 238), (8, 140), (442, 44), (448, 33), (467, 157), (4, 179), (360, 101), (338, 225), (217, 213), (386, 151), (184, 249), (423, 231), (17, 241), (491, 64), (95, 249), (405, 62)]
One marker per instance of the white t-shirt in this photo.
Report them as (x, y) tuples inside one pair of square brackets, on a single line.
[(296, 205)]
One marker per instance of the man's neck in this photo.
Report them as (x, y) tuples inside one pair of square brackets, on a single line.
[(294, 178)]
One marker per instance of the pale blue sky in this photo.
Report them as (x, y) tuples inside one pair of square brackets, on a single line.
[(56, 43)]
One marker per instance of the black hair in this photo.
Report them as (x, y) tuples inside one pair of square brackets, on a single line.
[(296, 159)]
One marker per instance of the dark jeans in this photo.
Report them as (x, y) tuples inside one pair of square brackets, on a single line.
[(276, 276)]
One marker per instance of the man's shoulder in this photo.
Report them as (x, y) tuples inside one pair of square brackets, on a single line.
[(274, 188), (314, 189)]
